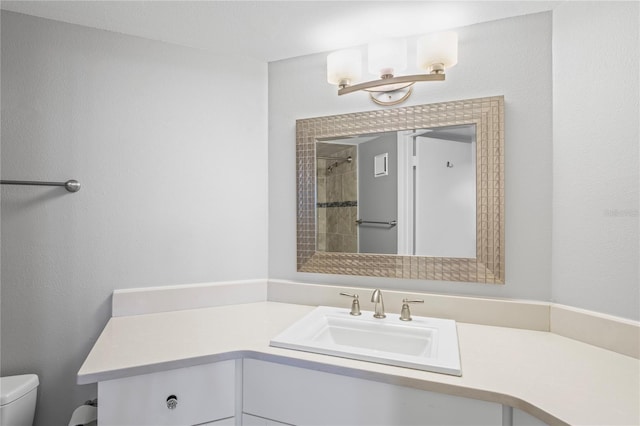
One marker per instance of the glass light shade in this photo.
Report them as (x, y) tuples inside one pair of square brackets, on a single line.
[(344, 66), (439, 48), (387, 57)]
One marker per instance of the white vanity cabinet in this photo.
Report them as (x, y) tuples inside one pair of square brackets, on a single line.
[(252, 392), (292, 395), (198, 394)]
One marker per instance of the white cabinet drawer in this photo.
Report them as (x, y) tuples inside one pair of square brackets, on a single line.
[(306, 397), (204, 393)]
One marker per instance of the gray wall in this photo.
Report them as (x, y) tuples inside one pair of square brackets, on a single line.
[(172, 164), (585, 183), (595, 156), (510, 57), (377, 196)]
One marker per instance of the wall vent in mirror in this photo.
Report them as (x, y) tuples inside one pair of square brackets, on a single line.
[(442, 190), (380, 165)]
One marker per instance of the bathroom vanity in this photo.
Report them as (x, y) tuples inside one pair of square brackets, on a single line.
[(215, 366), (275, 393)]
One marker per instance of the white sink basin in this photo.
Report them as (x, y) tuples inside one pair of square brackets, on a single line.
[(429, 344)]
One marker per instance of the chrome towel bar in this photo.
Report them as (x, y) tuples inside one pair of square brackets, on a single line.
[(389, 222), (70, 185)]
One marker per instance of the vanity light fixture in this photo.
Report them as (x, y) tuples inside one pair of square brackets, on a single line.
[(436, 52)]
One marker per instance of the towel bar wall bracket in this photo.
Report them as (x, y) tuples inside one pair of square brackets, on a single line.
[(70, 185)]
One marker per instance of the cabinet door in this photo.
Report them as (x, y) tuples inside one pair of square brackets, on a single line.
[(307, 397), (203, 393)]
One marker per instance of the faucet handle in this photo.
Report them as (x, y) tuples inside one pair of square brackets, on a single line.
[(355, 305), (405, 313)]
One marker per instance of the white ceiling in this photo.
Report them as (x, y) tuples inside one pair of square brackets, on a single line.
[(274, 30)]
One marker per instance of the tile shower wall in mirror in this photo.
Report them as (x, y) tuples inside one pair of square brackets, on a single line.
[(337, 198)]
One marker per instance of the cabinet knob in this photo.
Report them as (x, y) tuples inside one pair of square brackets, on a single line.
[(172, 402)]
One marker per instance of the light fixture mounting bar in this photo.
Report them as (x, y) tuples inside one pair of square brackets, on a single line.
[(389, 81)]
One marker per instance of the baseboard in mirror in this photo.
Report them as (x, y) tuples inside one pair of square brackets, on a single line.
[(605, 331), (522, 314), (139, 301)]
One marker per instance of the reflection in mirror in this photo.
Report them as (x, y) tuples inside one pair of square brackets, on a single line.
[(407, 192), (414, 192), (336, 194)]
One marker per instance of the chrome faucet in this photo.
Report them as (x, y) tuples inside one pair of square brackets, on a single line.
[(376, 298)]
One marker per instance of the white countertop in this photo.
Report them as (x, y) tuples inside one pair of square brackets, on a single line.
[(556, 379)]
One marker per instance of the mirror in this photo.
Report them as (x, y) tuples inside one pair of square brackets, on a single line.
[(408, 192), (414, 192)]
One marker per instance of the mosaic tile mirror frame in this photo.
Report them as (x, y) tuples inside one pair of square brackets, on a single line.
[(489, 264)]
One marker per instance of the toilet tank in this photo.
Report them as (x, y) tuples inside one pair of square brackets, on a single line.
[(18, 399)]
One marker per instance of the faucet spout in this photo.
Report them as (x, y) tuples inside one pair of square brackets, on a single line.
[(376, 298)]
